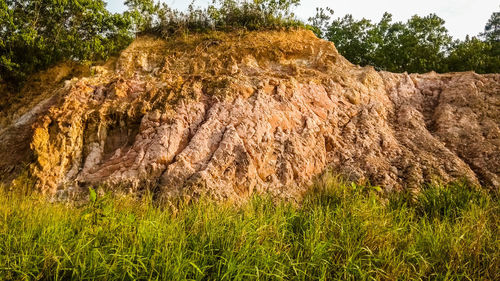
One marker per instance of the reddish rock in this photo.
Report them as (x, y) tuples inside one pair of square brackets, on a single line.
[(234, 114)]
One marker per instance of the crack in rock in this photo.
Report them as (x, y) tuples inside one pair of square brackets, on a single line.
[(266, 113)]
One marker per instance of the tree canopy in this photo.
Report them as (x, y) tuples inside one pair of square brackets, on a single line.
[(492, 28), (421, 44), (35, 34)]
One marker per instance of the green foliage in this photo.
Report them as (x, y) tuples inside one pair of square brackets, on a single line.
[(352, 39), (492, 28), (415, 46), (92, 195), (481, 56), (319, 23), (341, 231), (448, 202), (38, 33), (222, 15), (252, 15), (474, 54), (142, 12), (421, 44), (424, 39)]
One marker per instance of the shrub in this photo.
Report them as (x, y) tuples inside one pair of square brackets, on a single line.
[(222, 15)]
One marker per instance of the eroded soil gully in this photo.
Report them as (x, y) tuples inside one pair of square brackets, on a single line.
[(243, 117)]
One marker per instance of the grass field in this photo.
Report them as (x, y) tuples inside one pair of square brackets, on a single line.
[(340, 232)]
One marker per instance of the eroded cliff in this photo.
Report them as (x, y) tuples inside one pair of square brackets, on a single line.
[(231, 114)]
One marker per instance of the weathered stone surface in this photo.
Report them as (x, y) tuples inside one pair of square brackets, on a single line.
[(234, 114)]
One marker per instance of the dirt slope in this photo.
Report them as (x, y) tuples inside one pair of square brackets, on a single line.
[(233, 114)]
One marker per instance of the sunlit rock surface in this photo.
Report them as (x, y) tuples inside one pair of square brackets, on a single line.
[(230, 115)]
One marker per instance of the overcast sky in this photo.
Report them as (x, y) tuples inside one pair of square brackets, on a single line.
[(462, 16)]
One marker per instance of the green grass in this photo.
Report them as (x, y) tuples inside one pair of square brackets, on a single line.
[(340, 231)]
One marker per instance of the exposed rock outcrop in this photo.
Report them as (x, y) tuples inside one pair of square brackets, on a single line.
[(233, 114)]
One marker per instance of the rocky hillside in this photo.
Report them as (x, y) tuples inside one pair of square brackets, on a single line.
[(231, 114)]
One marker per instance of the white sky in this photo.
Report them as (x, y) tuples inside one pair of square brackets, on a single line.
[(462, 16)]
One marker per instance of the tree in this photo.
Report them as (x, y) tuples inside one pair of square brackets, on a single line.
[(424, 40), (319, 23), (352, 38), (35, 34), (252, 15), (144, 14), (473, 55), (492, 28), (481, 56), (389, 51), (492, 36), (415, 46)]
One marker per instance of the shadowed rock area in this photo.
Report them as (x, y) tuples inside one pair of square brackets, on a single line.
[(232, 114)]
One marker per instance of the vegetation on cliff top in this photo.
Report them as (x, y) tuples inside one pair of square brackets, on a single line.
[(36, 34), (340, 232), (421, 44)]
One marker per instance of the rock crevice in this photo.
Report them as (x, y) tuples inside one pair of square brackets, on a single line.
[(265, 113)]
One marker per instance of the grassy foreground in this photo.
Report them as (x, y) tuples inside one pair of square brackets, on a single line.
[(341, 231)]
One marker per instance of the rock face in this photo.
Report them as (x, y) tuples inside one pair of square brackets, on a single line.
[(233, 114)]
